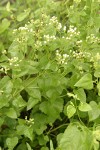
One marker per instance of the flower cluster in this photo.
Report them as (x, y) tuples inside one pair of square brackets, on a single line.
[(21, 39), (80, 54), (92, 39), (48, 38), (98, 56), (73, 31), (4, 52), (78, 43), (95, 59), (96, 135), (38, 44), (23, 29), (61, 58), (4, 69), (14, 61), (29, 122), (22, 33), (55, 22)]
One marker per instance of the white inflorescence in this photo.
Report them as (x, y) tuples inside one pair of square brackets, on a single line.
[(14, 61), (29, 122), (92, 39), (48, 38), (73, 31), (61, 58), (4, 52), (55, 22)]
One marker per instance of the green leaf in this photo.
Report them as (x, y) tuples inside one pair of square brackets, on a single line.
[(70, 110), (40, 121), (26, 67), (19, 102), (25, 130), (44, 148), (34, 92), (73, 80), (4, 101), (51, 145), (84, 107), (59, 137), (8, 7), (96, 145), (32, 102), (21, 146), (96, 133), (29, 133), (18, 84), (28, 146), (4, 25), (21, 129), (52, 109), (6, 85), (75, 139), (43, 139), (11, 113), (80, 94), (11, 142), (23, 15), (97, 73), (85, 82), (95, 112)]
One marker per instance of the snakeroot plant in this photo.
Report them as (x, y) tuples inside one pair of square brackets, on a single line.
[(50, 75)]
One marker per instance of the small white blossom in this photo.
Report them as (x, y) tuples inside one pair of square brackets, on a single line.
[(16, 65), (1, 92), (22, 28), (4, 52), (59, 26), (5, 70), (78, 42), (1, 69), (14, 31), (38, 44), (64, 28), (29, 122), (92, 39), (68, 38)]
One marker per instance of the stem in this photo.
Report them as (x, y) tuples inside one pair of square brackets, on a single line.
[(57, 128)]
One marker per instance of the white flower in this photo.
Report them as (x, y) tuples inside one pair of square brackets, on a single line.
[(22, 28), (16, 65), (45, 42), (65, 56), (53, 19), (4, 52), (1, 69), (64, 28), (31, 30), (98, 56), (59, 26), (78, 42)]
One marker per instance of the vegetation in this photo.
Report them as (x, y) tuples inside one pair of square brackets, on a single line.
[(50, 75)]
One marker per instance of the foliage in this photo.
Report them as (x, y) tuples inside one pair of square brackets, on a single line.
[(50, 75)]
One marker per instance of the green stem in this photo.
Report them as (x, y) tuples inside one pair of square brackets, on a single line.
[(50, 131)]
